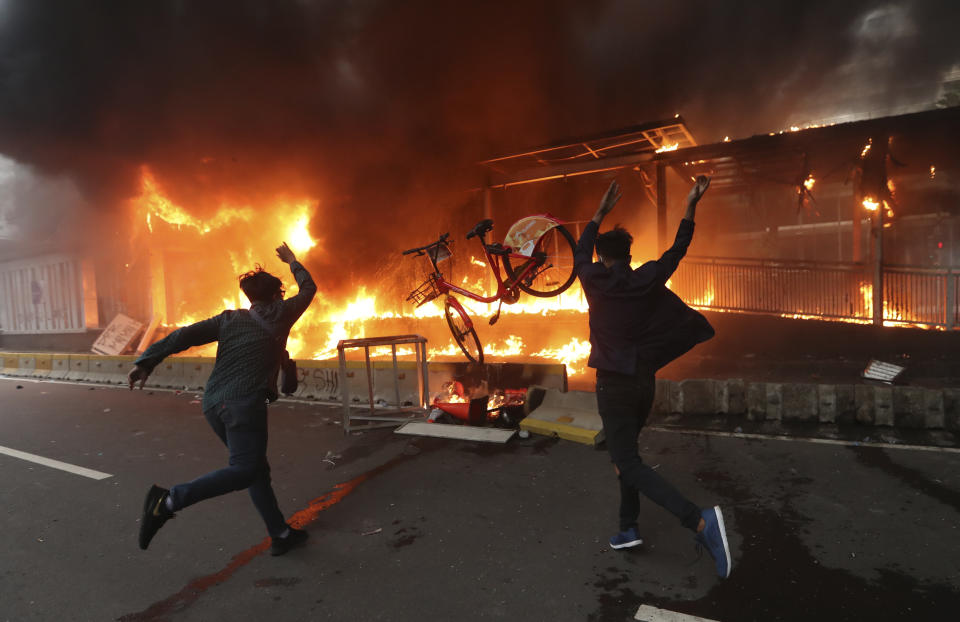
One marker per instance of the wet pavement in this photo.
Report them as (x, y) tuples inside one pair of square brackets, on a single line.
[(429, 529)]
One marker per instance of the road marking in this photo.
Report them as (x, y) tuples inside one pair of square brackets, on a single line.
[(55, 464), (646, 613), (802, 439)]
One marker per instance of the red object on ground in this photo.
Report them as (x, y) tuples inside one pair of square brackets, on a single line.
[(460, 410)]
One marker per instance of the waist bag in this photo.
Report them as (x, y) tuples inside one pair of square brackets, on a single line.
[(288, 367)]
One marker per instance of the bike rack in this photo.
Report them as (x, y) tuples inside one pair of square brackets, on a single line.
[(383, 418)]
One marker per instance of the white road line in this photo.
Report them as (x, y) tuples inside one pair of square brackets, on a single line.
[(646, 613), (55, 464), (801, 439)]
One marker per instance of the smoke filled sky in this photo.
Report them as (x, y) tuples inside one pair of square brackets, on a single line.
[(382, 107)]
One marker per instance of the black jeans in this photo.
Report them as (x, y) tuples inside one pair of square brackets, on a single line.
[(242, 426), (624, 403)]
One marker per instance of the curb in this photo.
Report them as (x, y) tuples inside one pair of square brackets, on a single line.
[(865, 404)]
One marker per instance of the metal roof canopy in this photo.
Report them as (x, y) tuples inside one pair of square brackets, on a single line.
[(779, 157), (735, 164), (592, 154)]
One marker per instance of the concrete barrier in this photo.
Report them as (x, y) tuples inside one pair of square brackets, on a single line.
[(59, 366), (865, 404), (572, 416), (79, 367), (109, 369), (27, 364), (11, 363), (195, 372), (387, 386), (318, 380), (42, 364), (167, 375), (951, 409), (801, 402)]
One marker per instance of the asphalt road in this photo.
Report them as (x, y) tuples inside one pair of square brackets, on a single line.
[(426, 529)]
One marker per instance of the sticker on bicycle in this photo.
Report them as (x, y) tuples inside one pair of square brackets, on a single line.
[(525, 233)]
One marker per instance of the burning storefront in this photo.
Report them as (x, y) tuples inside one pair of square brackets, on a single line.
[(853, 222)]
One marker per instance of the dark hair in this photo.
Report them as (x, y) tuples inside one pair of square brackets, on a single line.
[(259, 285), (615, 244)]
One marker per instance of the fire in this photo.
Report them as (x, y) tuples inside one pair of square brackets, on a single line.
[(573, 354), (866, 148), (665, 147), (298, 236), (231, 229), (153, 204)]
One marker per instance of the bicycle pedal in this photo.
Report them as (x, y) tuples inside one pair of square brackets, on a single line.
[(493, 320)]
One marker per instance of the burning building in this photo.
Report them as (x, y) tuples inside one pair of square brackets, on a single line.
[(197, 136), (852, 222)]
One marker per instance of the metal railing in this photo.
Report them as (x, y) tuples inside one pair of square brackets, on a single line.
[(373, 417), (912, 295)]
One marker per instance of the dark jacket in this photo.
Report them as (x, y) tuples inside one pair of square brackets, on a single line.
[(635, 320), (247, 355)]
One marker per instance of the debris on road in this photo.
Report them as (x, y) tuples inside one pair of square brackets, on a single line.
[(372, 532), (884, 372)]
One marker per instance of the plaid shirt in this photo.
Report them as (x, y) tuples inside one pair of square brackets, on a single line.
[(247, 356)]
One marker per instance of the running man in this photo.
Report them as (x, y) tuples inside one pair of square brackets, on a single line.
[(244, 379), (637, 326)]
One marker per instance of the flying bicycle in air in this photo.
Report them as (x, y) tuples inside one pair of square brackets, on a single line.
[(536, 257)]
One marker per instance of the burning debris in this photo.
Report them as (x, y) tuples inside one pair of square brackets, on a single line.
[(479, 406)]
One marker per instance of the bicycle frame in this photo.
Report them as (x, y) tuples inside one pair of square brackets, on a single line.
[(494, 262), (519, 258)]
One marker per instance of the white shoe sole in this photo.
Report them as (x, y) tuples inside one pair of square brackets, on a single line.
[(627, 545), (723, 536)]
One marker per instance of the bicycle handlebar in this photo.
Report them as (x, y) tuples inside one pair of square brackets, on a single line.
[(419, 250)]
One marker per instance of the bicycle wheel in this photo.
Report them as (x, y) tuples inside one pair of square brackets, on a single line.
[(556, 274), (463, 332)]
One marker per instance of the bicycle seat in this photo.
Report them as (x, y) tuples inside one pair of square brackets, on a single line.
[(481, 228)]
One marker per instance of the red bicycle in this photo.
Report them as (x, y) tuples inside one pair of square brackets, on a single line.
[(537, 257)]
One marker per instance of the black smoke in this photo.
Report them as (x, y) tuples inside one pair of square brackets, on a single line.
[(381, 108)]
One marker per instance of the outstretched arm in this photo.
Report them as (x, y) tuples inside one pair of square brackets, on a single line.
[(583, 254), (668, 263), (610, 198), (204, 331), (696, 193), (306, 288)]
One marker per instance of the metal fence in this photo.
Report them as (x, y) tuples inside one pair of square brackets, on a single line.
[(42, 295), (912, 295)]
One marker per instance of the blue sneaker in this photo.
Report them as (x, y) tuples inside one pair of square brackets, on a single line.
[(626, 539), (714, 539)]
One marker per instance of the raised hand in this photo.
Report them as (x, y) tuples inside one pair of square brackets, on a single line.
[(285, 254), (610, 198), (699, 189)]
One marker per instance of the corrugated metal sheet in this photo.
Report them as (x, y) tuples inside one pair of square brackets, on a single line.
[(44, 295)]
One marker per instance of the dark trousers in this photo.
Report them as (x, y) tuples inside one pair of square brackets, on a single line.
[(624, 403), (242, 426)]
